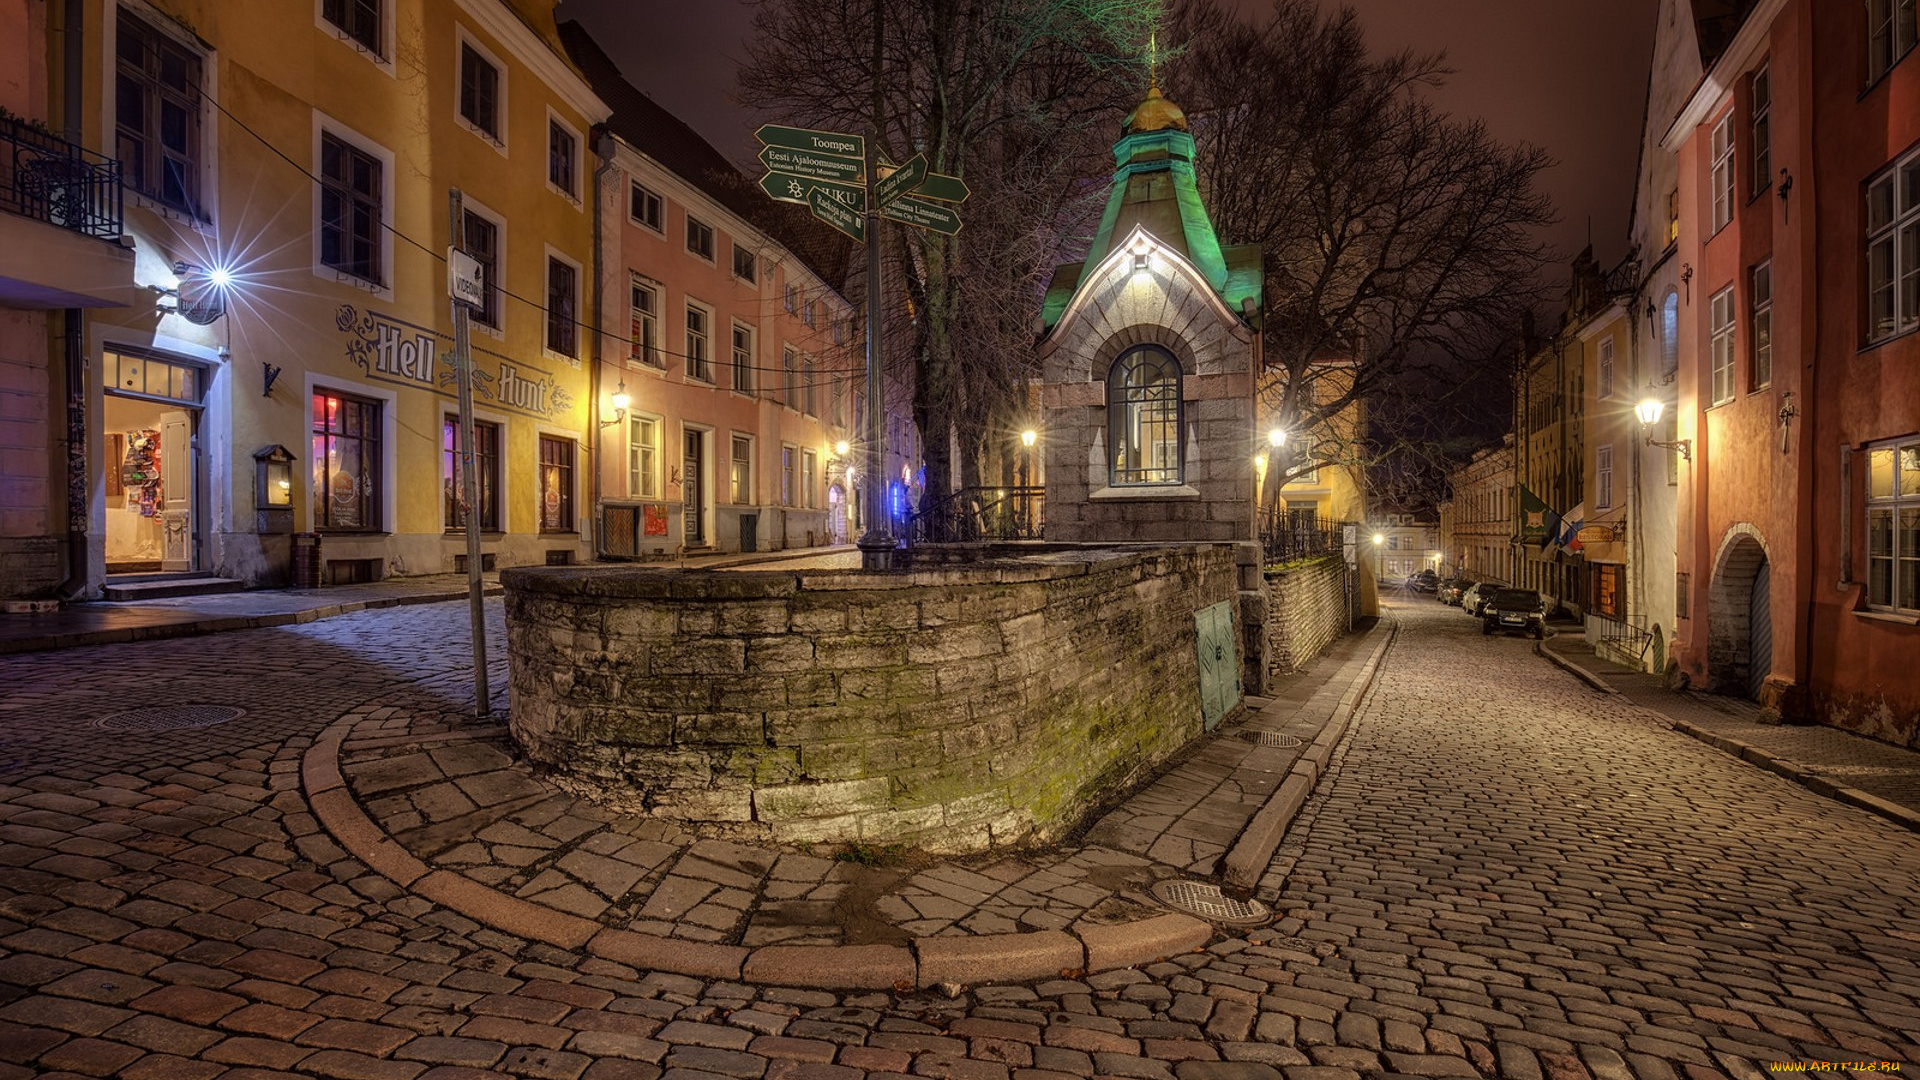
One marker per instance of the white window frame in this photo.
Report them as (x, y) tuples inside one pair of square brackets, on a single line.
[(659, 224), (741, 369), (498, 138), (1603, 477), (810, 478), (1760, 322), (639, 348), (554, 119), (740, 489), (1603, 368), (1722, 349), (1890, 505), (786, 474), (383, 57), (789, 383), (698, 359), (809, 397), (643, 458), (792, 297), (1721, 181), (581, 328), (712, 239), (1893, 243), (324, 125)]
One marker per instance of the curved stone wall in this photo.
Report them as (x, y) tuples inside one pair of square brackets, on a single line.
[(954, 707)]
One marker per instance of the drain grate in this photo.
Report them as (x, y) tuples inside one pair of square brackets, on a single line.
[(1270, 738), (169, 718), (1207, 901)]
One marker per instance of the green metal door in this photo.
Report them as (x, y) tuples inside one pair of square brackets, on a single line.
[(1219, 657)]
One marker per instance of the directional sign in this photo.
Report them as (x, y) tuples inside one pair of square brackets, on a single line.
[(911, 211), (817, 142), (943, 187), (901, 180), (838, 215), (787, 187), (818, 166)]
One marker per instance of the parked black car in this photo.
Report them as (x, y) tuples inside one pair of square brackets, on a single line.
[(1514, 611), (1423, 581)]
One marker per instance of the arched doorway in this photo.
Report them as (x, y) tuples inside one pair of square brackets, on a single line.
[(1740, 617)]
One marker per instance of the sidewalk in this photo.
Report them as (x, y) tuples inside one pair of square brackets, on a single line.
[(102, 622), (1875, 776)]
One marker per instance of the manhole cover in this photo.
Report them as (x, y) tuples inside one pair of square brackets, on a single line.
[(1270, 738), (169, 718), (1207, 901)]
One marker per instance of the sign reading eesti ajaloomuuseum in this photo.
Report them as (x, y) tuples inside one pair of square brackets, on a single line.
[(395, 351)]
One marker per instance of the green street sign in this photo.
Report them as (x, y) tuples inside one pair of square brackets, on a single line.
[(943, 187), (837, 214), (911, 211), (816, 142), (901, 180), (787, 187), (817, 166)]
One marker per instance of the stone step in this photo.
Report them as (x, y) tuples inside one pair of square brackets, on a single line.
[(178, 586)]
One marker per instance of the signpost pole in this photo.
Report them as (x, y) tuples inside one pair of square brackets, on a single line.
[(876, 543), (470, 480)]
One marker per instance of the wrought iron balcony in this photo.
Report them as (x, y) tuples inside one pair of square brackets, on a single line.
[(47, 178)]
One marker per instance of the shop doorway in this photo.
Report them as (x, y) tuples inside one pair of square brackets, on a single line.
[(693, 466), (150, 464)]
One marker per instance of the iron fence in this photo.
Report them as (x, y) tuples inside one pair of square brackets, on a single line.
[(973, 514), (1286, 536), (47, 178)]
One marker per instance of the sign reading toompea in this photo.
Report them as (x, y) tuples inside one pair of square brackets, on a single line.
[(818, 142)]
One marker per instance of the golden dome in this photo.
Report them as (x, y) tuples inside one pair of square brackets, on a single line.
[(1156, 113)]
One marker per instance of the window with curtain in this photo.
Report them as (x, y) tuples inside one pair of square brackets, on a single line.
[(1144, 418)]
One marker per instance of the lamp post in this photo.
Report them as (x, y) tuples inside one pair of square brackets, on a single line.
[(1379, 568), (1027, 439)]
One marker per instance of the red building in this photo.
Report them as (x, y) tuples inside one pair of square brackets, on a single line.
[(1798, 204)]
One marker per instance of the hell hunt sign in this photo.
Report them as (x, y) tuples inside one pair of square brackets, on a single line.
[(392, 351)]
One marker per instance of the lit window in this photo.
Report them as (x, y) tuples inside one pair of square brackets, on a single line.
[(1893, 526), (157, 107), (1144, 417), (1723, 346), (346, 462), (1762, 300), (1893, 249), (1722, 184), (486, 471), (556, 484), (740, 474)]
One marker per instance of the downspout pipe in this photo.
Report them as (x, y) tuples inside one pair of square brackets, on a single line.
[(72, 336), (603, 149)]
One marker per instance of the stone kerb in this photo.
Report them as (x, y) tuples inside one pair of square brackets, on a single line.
[(955, 707)]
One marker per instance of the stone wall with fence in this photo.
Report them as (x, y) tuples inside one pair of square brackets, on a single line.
[(954, 707), (1309, 606)]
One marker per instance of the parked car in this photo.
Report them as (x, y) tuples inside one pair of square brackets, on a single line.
[(1450, 590), (1514, 611), (1423, 581), (1475, 596)]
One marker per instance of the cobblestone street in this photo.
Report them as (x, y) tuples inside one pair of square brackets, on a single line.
[(1504, 874)]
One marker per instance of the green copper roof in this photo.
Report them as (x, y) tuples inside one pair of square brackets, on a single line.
[(1154, 188)]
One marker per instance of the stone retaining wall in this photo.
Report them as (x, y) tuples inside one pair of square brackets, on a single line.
[(1307, 609), (953, 707)]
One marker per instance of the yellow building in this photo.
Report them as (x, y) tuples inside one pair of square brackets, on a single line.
[(283, 362), (1323, 479)]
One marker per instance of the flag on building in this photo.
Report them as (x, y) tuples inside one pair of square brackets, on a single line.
[(1537, 519), (1570, 525)]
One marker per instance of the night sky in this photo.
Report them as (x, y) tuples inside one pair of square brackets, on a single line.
[(1567, 75)]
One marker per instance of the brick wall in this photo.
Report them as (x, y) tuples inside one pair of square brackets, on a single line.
[(952, 707), (1307, 609)]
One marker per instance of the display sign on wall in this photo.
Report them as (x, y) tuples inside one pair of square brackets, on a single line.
[(393, 351)]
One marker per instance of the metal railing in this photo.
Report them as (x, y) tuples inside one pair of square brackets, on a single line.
[(1285, 537), (1622, 634), (973, 514), (47, 178)]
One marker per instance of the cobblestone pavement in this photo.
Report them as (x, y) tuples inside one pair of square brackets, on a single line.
[(1505, 874)]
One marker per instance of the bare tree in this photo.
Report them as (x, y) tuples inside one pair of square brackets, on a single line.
[(1400, 244), (1000, 92)]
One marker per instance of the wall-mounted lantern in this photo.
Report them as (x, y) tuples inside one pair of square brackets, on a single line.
[(273, 489)]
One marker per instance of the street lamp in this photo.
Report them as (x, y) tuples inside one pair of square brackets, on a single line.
[(1648, 412), (621, 401)]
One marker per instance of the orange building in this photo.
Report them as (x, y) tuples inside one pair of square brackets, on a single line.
[(1798, 194)]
